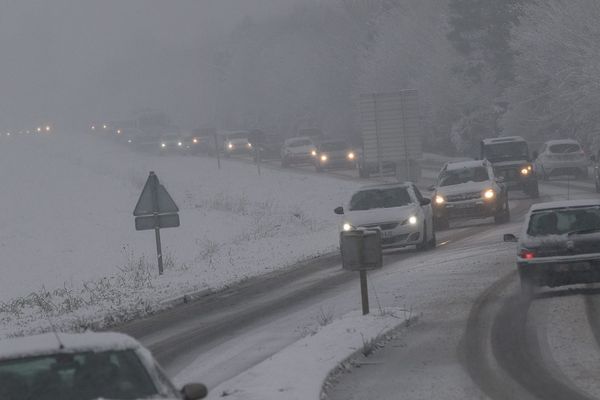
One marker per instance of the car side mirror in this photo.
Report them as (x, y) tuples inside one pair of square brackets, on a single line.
[(425, 202), (510, 238), (194, 391), (339, 211)]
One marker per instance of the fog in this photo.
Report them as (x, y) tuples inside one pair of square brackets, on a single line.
[(72, 61)]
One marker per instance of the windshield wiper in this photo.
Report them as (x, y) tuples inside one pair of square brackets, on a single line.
[(584, 231)]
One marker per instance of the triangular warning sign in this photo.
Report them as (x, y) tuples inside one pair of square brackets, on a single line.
[(154, 199)]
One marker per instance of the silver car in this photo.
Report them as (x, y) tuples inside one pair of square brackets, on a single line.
[(559, 244), (561, 157)]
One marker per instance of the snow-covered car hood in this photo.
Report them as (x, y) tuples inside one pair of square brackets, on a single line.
[(468, 187), (509, 163), (380, 215), (301, 149)]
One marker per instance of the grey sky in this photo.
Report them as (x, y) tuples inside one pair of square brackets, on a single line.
[(74, 60)]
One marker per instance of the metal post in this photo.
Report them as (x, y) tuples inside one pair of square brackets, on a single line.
[(257, 152), (154, 190), (218, 151), (364, 291), (379, 162), (158, 247)]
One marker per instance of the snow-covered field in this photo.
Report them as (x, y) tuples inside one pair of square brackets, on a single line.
[(70, 250)]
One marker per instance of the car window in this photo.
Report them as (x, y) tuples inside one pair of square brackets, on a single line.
[(560, 222), (300, 142), (380, 198), (83, 376), (333, 146), (564, 148), (463, 175), (506, 151)]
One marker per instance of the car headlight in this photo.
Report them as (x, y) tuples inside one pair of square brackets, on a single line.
[(525, 171), (412, 220), (179, 144), (324, 157), (163, 145), (313, 153), (489, 194), (249, 144), (128, 140), (230, 145), (347, 227), (195, 140), (439, 200), (351, 156)]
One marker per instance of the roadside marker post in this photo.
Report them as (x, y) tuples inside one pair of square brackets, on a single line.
[(155, 209), (361, 251)]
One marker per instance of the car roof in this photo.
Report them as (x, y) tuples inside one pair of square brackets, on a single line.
[(505, 139), (452, 166), (47, 343), (553, 205)]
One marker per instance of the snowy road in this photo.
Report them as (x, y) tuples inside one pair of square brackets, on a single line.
[(236, 329)]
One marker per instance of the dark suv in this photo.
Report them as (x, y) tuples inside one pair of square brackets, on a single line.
[(510, 159)]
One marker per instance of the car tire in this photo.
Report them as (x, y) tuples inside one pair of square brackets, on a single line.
[(428, 243)]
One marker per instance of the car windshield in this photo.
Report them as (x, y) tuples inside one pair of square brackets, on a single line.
[(464, 175), (564, 221), (329, 146), (506, 151), (564, 148), (380, 198), (300, 142), (81, 376)]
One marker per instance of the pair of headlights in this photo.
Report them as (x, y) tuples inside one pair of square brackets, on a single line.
[(526, 170), (163, 145), (488, 194), (412, 220), (325, 157)]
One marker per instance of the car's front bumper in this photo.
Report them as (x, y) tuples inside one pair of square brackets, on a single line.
[(479, 208), (337, 163), (560, 271), (399, 236)]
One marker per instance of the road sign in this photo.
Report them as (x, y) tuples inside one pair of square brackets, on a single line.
[(155, 209), (151, 221), (146, 203)]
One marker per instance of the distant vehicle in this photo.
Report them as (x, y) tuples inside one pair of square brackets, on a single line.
[(193, 144), (300, 150), (268, 145), (235, 142), (315, 134), (469, 189), (511, 160), (334, 154), (561, 157), (84, 366), (171, 143), (559, 244), (399, 211)]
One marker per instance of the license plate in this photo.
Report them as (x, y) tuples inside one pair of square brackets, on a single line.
[(464, 205)]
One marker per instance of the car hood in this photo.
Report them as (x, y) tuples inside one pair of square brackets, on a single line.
[(380, 215), (468, 187)]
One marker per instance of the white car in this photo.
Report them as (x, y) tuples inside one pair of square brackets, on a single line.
[(469, 189), (559, 244), (561, 157), (399, 211), (298, 150), (84, 366)]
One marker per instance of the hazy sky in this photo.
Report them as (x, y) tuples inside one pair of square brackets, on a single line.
[(69, 61)]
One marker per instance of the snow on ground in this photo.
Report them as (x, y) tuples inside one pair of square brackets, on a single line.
[(70, 248), (300, 370)]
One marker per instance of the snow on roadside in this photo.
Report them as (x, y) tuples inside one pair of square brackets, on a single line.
[(70, 249), (300, 370)]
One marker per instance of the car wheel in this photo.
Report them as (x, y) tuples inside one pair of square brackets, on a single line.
[(425, 242)]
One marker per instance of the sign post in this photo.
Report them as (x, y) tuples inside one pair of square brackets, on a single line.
[(361, 251), (155, 209)]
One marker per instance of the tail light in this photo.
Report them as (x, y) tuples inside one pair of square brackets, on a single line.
[(527, 254)]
